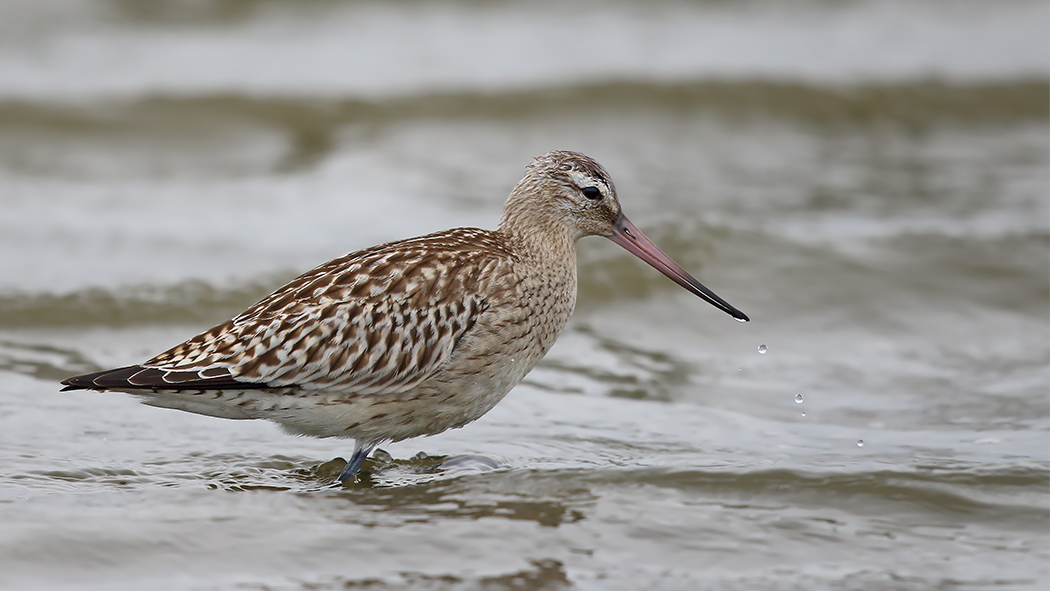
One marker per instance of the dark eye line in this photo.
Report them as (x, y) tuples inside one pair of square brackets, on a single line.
[(591, 192)]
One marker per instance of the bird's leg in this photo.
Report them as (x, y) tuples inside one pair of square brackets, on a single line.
[(361, 451)]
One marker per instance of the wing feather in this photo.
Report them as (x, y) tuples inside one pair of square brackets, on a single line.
[(375, 321)]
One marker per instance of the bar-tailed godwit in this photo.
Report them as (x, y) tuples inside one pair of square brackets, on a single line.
[(408, 338)]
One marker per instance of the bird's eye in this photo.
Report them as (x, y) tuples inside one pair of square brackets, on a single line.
[(591, 192)]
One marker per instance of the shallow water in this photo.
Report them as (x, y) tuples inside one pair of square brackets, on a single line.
[(868, 180)]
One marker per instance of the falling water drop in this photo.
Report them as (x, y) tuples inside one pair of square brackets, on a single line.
[(761, 349), (798, 398), (803, 413), (860, 443)]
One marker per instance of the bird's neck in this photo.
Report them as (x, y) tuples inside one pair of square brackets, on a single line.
[(539, 234)]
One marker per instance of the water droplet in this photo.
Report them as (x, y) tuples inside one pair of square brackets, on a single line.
[(762, 349), (798, 398), (860, 443), (803, 413)]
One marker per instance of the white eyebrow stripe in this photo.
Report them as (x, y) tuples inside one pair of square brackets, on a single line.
[(583, 180)]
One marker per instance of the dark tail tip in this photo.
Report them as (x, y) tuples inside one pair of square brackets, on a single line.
[(100, 380), (77, 383)]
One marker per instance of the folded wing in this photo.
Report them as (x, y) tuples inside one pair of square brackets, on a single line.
[(375, 321)]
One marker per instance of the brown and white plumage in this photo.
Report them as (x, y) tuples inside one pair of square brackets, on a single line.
[(407, 338)]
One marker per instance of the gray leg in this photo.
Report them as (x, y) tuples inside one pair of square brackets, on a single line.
[(361, 451)]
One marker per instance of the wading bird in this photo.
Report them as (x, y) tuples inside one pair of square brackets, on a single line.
[(408, 338)]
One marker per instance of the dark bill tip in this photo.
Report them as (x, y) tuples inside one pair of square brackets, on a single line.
[(631, 239)]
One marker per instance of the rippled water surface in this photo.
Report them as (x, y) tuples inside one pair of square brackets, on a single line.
[(868, 180)]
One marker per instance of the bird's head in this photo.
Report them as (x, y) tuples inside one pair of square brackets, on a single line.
[(569, 194)]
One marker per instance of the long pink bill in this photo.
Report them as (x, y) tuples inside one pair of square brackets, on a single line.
[(629, 237)]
